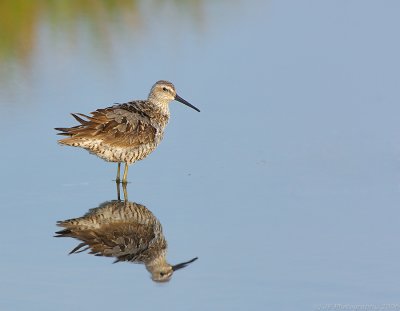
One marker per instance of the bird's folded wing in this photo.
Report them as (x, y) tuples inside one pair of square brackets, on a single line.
[(114, 126), (124, 241)]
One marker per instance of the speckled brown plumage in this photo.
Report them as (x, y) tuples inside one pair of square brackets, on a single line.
[(125, 230), (124, 132)]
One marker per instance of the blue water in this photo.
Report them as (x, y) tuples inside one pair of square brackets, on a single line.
[(286, 185)]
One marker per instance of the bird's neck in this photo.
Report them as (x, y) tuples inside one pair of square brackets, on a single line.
[(161, 107), (158, 261)]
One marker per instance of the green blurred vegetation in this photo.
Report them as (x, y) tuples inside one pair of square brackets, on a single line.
[(20, 20)]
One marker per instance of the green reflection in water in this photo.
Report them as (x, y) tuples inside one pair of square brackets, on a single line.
[(20, 20)]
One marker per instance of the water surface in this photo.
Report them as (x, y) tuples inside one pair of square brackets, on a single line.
[(286, 185)]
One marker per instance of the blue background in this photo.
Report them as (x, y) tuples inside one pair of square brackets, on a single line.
[(286, 185)]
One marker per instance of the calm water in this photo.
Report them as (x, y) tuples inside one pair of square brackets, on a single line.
[(286, 185)]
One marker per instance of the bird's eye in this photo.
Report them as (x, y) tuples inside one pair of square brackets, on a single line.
[(164, 89), (162, 273)]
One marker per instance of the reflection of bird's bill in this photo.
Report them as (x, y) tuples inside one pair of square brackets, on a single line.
[(180, 99), (183, 264)]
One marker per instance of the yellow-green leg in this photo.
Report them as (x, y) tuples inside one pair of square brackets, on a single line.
[(118, 191), (124, 179), (117, 180), (125, 192)]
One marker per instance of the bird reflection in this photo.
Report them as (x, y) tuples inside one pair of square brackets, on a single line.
[(125, 230)]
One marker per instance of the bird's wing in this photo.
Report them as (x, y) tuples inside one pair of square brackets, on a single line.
[(124, 241), (123, 125)]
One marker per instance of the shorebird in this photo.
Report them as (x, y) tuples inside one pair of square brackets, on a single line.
[(126, 132), (125, 230)]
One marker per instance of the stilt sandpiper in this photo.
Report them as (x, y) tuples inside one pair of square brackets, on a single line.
[(126, 231), (125, 132)]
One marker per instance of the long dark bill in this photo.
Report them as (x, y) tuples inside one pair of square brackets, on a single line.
[(180, 99), (183, 264)]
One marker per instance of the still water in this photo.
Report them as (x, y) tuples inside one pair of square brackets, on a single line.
[(126, 231), (286, 185)]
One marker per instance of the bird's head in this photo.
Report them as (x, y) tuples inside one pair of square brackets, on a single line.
[(162, 271), (163, 92)]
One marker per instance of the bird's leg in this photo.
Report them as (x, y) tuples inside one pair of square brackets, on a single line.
[(125, 192), (118, 191), (124, 179), (117, 180)]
